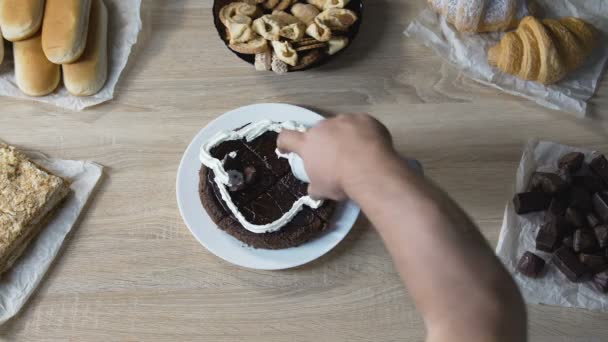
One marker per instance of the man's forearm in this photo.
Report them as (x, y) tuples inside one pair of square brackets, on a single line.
[(458, 284)]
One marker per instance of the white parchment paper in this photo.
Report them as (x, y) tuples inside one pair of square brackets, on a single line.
[(18, 284), (468, 52), (123, 28), (518, 235)]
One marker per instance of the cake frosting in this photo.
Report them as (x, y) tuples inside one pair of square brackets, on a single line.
[(223, 178)]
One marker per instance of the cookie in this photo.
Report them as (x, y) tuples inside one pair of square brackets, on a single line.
[(313, 46), (308, 59)]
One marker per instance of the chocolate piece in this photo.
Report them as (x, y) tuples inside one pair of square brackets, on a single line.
[(600, 281), (566, 176), (557, 208), (549, 236), (592, 220), (601, 234), (590, 183), (599, 165), (568, 241), (580, 199), (600, 206), (571, 162), (584, 241), (546, 182), (527, 202), (567, 262), (574, 217), (595, 263), (530, 265)]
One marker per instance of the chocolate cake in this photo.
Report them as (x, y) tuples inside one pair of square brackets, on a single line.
[(267, 191)]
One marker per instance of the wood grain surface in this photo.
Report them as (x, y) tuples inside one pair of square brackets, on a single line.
[(131, 271)]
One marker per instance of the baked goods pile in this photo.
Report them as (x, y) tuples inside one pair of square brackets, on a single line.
[(56, 37), (575, 228), (264, 205), (287, 35), (29, 196), (544, 51), (541, 50)]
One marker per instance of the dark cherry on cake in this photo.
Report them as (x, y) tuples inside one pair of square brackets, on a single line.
[(267, 190)]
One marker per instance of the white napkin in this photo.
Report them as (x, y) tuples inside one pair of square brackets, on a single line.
[(124, 26), (18, 284), (468, 52)]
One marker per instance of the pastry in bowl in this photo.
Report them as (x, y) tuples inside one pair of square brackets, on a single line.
[(287, 35)]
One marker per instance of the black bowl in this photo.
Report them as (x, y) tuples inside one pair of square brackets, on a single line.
[(354, 5)]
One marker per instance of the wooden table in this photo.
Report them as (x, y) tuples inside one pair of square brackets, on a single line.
[(131, 269)]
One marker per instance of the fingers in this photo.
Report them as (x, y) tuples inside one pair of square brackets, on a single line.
[(312, 192), (290, 141)]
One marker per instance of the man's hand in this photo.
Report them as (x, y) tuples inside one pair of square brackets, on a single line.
[(461, 289), (339, 153)]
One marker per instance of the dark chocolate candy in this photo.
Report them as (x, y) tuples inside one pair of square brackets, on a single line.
[(530, 265), (588, 182), (592, 220), (595, 263), (584, 241), (557, 208), (599, 165), (567, 262), (574, 217), (527, 202), (600, 281), (580, 199), (546, 182), (571, 162), (568, 241), (601, 234), (600, 206), (549, 236)]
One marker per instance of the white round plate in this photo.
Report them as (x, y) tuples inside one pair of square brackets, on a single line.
[(224, 245)]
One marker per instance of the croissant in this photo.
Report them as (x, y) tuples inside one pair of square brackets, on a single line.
[(482, 15), (544, 51)]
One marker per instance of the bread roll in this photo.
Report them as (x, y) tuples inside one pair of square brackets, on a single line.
[(35, 75), (88, 74), (64, 29), (20, 19)]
